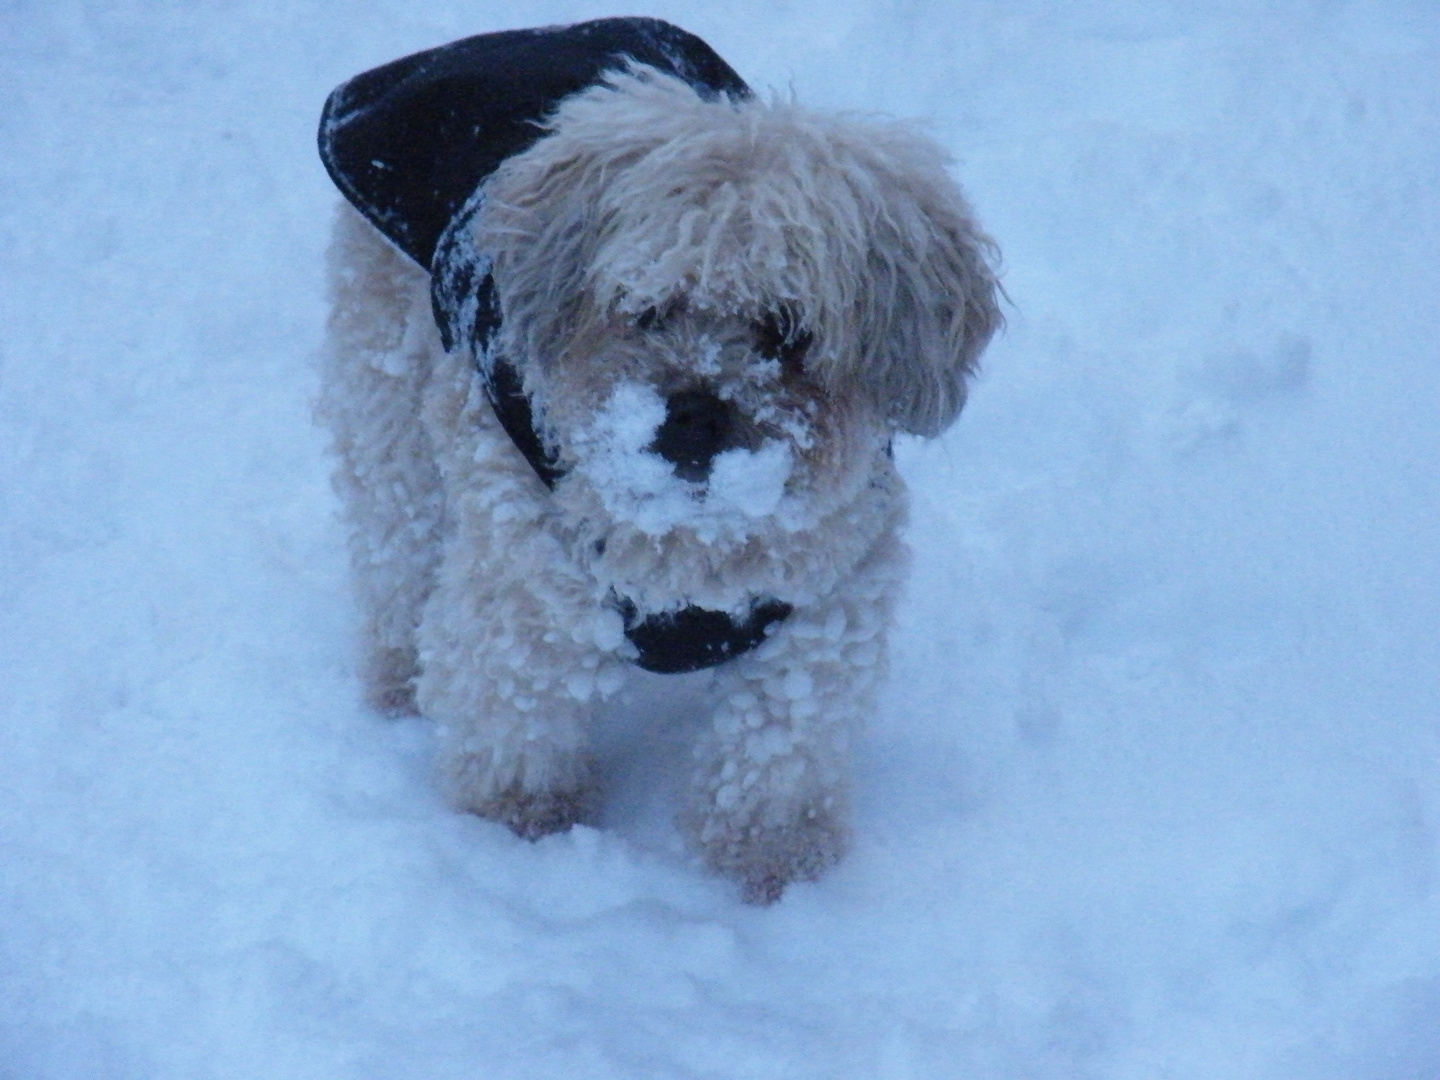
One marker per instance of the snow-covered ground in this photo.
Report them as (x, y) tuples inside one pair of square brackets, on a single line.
[(1155, 791)]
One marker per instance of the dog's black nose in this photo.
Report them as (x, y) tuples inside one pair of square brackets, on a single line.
[(698, 425)]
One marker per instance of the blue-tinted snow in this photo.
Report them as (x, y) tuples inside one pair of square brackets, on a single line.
[(1155, 789)]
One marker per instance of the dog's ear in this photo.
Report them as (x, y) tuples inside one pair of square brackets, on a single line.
[(408, 143), (932, 297)]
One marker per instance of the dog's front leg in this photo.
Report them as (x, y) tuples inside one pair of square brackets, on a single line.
[(511, 669), (770, 802), (514, 647)]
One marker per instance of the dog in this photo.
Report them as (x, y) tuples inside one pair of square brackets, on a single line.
[(616, 358)]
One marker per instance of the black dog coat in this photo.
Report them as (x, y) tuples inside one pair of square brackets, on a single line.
[(410, 145)]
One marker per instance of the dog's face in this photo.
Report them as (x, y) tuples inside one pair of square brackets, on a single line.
[(722, 313)]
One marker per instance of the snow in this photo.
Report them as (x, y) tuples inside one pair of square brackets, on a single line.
[(1155, 787), (636, 485)]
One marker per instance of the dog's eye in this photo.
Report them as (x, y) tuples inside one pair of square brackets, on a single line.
[(778, 336), (658, 316)]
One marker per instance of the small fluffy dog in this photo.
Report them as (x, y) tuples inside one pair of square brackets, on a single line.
[(616, 358)]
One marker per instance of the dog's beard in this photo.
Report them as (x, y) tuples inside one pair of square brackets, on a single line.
[(755, 519), (616, 456), (686, 427)]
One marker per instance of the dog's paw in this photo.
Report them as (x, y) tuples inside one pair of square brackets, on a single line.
[(533, 814), (390, 681), (764, 855), (763, 890)]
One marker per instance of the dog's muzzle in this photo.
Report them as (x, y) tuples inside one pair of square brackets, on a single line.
[(698, 425)]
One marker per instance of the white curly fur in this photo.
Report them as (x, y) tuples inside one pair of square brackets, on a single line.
[(634, 248)]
